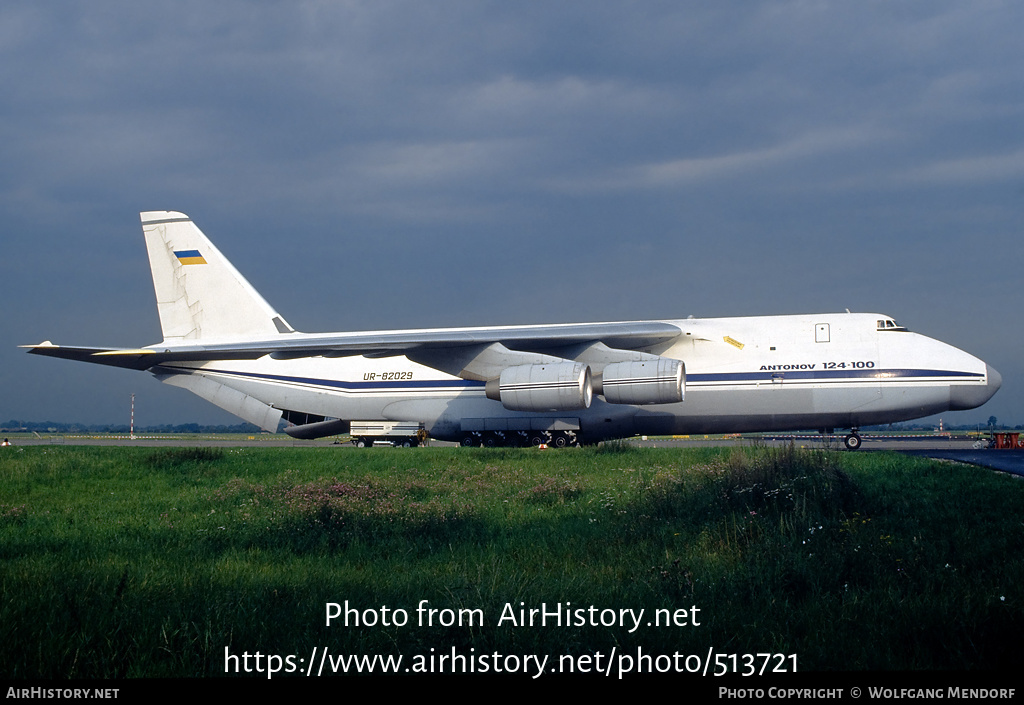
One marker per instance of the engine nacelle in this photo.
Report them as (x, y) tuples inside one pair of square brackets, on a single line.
[(658, 381), (559, 386)]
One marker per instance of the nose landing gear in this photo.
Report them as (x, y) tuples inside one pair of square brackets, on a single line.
[(853, 439)]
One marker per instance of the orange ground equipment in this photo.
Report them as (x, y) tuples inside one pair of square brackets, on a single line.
[(1007, 441)]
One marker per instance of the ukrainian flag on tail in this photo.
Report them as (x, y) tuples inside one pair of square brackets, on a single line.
[(189, 257)]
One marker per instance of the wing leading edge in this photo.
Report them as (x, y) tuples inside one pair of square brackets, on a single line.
[(623, 335)]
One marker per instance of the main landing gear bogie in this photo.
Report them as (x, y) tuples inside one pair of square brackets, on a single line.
[(556, 439), (852, 440), (519, 439)]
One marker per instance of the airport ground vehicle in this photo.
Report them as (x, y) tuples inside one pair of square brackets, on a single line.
[(397, 433)]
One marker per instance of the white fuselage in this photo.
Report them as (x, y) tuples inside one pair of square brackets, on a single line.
[(769, 373)]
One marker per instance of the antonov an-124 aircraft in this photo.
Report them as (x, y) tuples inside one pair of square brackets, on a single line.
[(559, 384)]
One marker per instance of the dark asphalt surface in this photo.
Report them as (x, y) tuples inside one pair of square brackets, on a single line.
[(1011, 461)]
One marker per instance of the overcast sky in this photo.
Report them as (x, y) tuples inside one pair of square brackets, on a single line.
[(373, 165)]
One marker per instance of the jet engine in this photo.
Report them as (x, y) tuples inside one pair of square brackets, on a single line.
[(558, 386), (657, 381)]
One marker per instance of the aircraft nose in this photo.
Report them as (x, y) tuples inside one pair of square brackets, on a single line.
[(970, 396)]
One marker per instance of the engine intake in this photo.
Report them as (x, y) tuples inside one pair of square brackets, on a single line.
[(658, 381), (549, 387)]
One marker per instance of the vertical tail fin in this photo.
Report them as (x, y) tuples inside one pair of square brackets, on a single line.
[(199, 294)]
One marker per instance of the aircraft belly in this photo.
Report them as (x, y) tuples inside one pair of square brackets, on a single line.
[(785, 407), (912, 402), (845, 398), (445, 418), (724, 410)]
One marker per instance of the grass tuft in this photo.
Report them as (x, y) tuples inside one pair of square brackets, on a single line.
[(177, 457)]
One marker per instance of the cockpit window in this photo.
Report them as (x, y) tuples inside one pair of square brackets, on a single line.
[(889, 324)]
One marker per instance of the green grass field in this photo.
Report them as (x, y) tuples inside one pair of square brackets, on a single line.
[(140, 562)]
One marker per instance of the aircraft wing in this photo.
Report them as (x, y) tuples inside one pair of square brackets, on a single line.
[(131, 358), (386, 343), (620, 335)]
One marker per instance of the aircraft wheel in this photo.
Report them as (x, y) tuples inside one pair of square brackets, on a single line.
[(491, 440), (537, 440), (852, 441), (560, 441), (469, 441)]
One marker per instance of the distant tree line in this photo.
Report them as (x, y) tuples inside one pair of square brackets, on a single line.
[(15, 426), (991, 425)]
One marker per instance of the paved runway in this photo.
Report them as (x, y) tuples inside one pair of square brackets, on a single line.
[(1011, 461)]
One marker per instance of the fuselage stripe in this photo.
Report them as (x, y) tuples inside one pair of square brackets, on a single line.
[(454, 384), (872, 375), (887, 376)]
